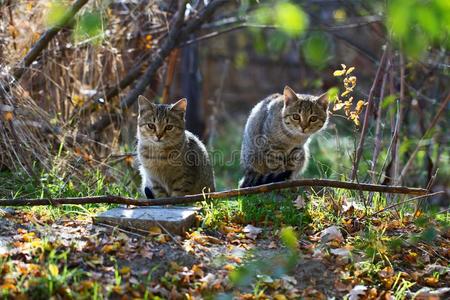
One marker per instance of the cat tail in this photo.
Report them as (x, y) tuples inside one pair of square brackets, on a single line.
[(252, 178)]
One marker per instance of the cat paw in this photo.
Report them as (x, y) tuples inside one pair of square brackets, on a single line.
[(148, 193)]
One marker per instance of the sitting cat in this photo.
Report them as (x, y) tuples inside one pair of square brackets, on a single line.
[(277, 134), (173, 161)]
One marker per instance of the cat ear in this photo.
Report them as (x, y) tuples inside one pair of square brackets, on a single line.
[(289, 96), (323, 100), (180, 105), (144, 103)]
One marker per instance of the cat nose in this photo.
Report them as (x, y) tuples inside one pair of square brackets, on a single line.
[(159, 136)]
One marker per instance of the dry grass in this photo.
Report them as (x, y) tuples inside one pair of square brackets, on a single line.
[(46, 115)]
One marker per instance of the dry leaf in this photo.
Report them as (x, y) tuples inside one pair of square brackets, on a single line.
[(331, 233), (299, 203), (154, 230), (357, 292), (350, 70), (252, 231)]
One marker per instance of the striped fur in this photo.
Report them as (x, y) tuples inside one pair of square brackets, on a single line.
[(173, 161), (277, 135)]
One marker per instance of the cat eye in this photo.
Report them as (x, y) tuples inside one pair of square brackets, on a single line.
[(313, 119), (169, 127), (151, 126), (296, 116)]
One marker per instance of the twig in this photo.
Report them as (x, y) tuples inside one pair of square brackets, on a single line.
[(378, 131), (45, 39), (405, 201), (220, 195), (359, 149)]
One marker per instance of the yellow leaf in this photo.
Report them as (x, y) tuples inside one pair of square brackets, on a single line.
[(77, 100), (154, 230), (110, 248), (8, 286), (118, 289), (279, 297), (350, 70), (229, 267), (8, 116), (29, 237), (53, 270), (338, 106), (125, 270), (343, 66), (338, 73), (359, 106), (431, 281), (345, 93)]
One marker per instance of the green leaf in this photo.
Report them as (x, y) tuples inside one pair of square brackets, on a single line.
[(290, 18), (333, 93), (398, 17), (316, 50), (56, 13), (428, 21), (388, 101), (289, 238)]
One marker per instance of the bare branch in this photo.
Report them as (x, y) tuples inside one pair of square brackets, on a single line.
[(359, 149)]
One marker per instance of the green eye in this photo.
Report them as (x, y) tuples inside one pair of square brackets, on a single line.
[(296, 116), (151, 126), (169, 127), (313, 119)]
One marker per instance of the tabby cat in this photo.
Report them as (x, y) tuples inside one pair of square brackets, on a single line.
[(173, 161), (277, 134)]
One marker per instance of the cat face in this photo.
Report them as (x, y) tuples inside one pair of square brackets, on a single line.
[(303, 114), (161, 124)]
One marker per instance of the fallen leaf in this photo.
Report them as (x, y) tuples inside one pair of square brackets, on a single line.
[(299, 203), (251, 231), (356, 292), (331, 233)]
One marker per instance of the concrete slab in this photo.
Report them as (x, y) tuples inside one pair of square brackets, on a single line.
[(140, 219)]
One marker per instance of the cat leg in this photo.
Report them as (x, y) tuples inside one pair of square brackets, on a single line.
[(159, 191), (251, 178), (182, 186)]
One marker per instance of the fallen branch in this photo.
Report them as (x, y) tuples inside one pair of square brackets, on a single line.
[(220, 195), (45, 39)]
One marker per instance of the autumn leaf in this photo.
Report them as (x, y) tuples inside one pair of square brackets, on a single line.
[(338, 73), (349, 70), (229, 267), (155, 230), (431, 281), (299, 202), (338, 106), (8, 116), (345, 93)]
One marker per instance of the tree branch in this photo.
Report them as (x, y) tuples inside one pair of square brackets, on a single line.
[(172, 41), (45, 39), (220, 195), (366, 116)]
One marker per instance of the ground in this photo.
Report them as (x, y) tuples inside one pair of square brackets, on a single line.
[(258, 248)]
